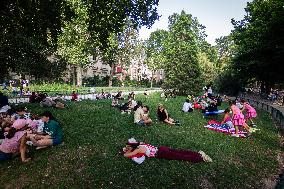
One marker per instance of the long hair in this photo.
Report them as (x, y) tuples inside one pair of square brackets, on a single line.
[(133, 145), (11, 133)]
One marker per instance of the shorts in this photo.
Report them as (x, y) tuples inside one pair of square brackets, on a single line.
[(5, 156), (56, 141), (229, 124), (141, 122)]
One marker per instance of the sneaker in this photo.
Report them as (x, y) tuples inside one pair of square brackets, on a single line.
[(30, 143), (123, 112), (176, 123), (205, 157), (236, 135)]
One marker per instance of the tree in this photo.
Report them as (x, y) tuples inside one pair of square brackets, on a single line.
[(260, 43), (29, 31), (155, 51), (182, 47), (75, 43)]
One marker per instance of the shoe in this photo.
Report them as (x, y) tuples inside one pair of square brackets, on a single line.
[(123, 112), (236, 135), (205, 157), (178, 124)]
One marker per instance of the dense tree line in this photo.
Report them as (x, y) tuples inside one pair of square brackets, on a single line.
[(254, 51), (70, 30)]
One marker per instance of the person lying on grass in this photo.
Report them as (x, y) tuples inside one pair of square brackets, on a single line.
[(137, 151), (53, 134), (14, 142), (164, 116), (141, 115)]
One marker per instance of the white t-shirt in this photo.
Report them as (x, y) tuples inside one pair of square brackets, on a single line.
[(186, 106), (210, 91), (133, 103), (137, 114)]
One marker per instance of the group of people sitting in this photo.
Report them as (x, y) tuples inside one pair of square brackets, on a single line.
[(19, 128), (142, 112), (45, 101)]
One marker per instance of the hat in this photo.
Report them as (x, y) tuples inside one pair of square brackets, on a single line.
[(19, 124), (131, 141)]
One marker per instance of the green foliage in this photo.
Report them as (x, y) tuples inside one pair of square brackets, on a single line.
[(182, 67), (29, 31), (260, 43), (94, 133)]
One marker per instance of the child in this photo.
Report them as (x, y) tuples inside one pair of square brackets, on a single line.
[(251, 112), (53, 134), (238, 119), (14, 142), (227, 119)]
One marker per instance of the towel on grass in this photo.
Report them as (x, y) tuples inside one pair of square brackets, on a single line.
[(223, 128)]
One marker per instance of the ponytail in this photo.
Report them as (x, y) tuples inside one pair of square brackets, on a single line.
[(11, 133)]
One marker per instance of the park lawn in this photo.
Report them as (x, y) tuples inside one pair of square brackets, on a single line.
[(94, 133)]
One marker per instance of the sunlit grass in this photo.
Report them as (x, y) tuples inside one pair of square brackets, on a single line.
[(94, 133)]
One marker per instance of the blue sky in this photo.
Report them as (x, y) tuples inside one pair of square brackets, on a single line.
[(215, 15)]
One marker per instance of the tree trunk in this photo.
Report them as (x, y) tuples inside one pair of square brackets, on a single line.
[(73, 68), (111, 75), (79, 76)]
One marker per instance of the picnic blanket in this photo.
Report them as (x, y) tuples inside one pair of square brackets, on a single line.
[(214, 113), (223, 128)]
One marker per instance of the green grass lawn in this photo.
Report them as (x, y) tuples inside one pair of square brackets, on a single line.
[(94, 133)]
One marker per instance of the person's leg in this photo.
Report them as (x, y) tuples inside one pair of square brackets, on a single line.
[(45, 142), (173, 154), (247, 127), (236, 130), (169, 122), (148, 121)]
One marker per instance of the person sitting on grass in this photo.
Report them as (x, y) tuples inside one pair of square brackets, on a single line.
[(126, 107), (131, 95), (250, 112), (238, 119), (227, 119), (187, 106), (14, 142), (146, 94), (74, 96), (164, 116), (119, 96), (48, 102), (137, 151), (21, 113), (53, 134), (32, 98), (141, 115), (114, 102)]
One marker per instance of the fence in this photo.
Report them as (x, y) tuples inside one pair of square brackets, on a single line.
[(275, 113)]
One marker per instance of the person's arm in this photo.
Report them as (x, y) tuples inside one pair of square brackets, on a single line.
[(129, 153), (23, 148), (224, 119), (166, 113)]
